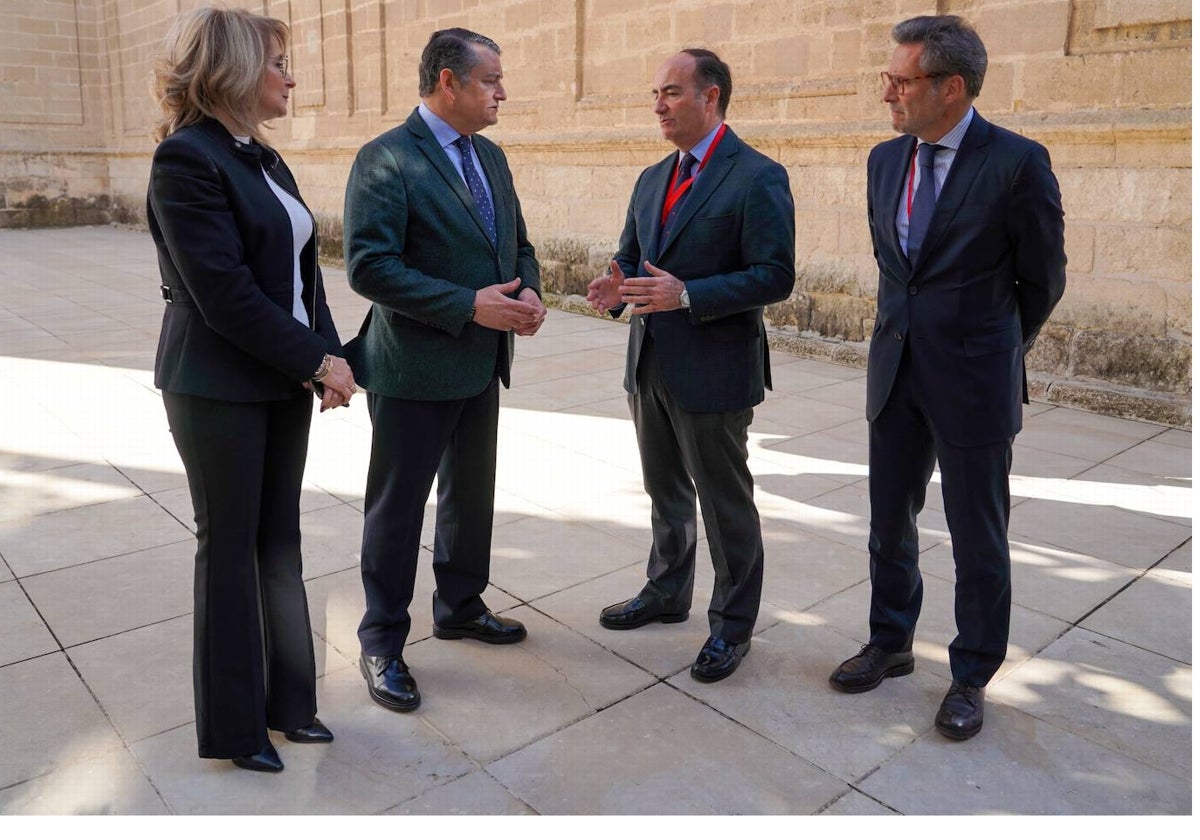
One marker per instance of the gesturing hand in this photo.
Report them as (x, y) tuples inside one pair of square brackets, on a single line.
[(495, 310), (530, 296), (657, 293), (604, 292)]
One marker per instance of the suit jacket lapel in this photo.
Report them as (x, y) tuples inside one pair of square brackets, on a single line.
[(649, 213), (432, 150), (890, 194), (971, 154), (719, 165)]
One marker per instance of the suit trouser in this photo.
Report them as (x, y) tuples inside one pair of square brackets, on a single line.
[(245, 464), (975, 492), (685, 454), (411, 441)]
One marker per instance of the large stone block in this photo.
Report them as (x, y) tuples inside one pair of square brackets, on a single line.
[(1029, 28), (1147, 250), (1157, 364)]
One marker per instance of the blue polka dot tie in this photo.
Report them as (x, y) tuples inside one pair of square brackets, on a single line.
[(475, 185)]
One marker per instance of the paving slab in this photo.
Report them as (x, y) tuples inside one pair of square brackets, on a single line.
[(80, 535), (475, 794), (50, 720), (1019, 764), (108, 785), (1122, 697), (1150, 614), (105, 597), (23, 633), (688, 758)]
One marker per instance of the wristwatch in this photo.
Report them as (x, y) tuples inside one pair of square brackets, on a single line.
[(684, 300)]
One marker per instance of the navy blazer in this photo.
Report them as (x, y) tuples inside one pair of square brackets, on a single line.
[(989, 273), (733, 244), (224, 246), (417, 248)]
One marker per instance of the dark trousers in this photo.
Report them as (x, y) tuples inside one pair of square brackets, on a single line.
[(685, 454), (253, 666), (411, 441), (975, 492)]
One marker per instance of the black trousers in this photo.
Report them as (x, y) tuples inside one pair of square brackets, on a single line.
[(686, 454), (975, 492), (411, 441), (253, 665)]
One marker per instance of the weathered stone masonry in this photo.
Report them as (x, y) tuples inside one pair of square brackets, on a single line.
[(1104, 84)]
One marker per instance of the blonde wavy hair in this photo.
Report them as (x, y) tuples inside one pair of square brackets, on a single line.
[(214, 64)]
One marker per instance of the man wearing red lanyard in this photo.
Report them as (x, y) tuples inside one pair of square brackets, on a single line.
[(709, 240), (967, 226)]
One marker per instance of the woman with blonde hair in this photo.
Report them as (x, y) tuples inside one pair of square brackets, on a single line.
[(247, 339)]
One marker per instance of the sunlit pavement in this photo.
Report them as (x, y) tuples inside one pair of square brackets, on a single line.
[(1091, 713)]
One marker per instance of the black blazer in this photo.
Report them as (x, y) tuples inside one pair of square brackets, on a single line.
[(225, 253), (416, 247), (733, 244), (990, 271)]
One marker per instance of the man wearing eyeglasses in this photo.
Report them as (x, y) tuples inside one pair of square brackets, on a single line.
[(967, 228)]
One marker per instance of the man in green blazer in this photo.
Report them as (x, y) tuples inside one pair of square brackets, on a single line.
[(434, 238)]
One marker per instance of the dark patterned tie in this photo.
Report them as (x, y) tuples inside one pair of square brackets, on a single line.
[(475, 185), (685, 172), (923, 201)]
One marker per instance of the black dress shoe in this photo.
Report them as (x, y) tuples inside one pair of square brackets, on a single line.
[(488, 628), (869, 667), (961, 714), (638, 610), (315, 733), (265, 760), (389, 683), (718, 659)]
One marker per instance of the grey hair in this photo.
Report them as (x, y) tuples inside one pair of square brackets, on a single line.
[(450, 49), (952, 47)]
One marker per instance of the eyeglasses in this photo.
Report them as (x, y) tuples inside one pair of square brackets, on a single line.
[(899, 83), (281, 64)]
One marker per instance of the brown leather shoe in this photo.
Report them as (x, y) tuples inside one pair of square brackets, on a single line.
[(869, 667), (961, 714)]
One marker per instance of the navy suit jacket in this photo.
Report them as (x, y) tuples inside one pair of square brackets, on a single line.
[(417, 248), (733, 243), (990, 271), (225, 250)]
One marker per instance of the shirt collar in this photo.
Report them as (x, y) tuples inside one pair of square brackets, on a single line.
[(443, 132), (701, 149), (954, 137)]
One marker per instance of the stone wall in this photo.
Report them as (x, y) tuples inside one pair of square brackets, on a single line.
[(1104, 84)]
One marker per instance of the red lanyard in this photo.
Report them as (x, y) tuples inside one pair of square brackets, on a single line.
[(676, 193), (912, 175)]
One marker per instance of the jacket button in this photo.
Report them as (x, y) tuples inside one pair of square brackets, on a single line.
[(897, 336), (912, 290)]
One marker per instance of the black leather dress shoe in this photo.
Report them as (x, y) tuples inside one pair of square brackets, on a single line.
[(639, 610), (490, 628), (718, 659), (315, 733), (265, 760), (961, 714), (389, 683), (869, 667)]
